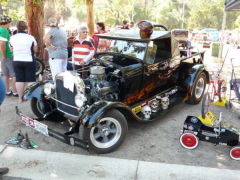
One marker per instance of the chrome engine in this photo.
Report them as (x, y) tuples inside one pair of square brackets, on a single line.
[(102, 87)]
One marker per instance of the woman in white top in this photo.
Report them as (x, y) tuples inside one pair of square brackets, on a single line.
[(23, 46)]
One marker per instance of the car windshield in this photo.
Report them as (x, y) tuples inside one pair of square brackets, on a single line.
[(130, 48)]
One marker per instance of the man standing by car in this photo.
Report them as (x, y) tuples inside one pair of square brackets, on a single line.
[(56, 42), (7, 56)]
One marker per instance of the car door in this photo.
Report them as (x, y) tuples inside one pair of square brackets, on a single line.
[(156, 75)]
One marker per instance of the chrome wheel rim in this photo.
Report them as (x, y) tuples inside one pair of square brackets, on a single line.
[(107, 133)]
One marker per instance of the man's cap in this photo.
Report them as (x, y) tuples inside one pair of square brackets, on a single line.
[(5, 19), (124, 22)]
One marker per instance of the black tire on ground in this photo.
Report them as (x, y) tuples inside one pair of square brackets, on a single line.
[(198, 89), (108, 134), (40, 66), (36, 108), (206, 102)]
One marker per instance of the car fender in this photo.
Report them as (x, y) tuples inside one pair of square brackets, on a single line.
[(34, 90), (194, 71), (94, 113)]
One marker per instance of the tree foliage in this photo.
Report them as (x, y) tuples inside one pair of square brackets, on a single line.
[(197, 13)]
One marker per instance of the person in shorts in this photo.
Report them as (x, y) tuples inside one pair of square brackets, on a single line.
[(24, 46), (7, 56)]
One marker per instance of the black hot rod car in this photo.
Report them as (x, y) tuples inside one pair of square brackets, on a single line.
[(130, 78)]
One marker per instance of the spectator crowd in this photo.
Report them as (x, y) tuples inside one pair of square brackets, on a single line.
[(18, 49)]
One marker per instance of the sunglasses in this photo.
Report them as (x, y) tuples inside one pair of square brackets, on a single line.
[(84, 32)]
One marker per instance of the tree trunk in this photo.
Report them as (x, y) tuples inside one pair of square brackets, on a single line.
[(90, 16), (35, 21)]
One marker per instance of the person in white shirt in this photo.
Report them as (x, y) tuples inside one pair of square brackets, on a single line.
[(23, 46)]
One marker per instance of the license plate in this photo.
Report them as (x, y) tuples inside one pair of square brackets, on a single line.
[(34, 124)]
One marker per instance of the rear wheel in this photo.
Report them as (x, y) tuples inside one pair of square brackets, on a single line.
[(198, 89), (108, 134), (235, 153), (40, 66), (189, 141), (206, 102)]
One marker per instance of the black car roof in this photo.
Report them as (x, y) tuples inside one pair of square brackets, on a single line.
[(134, 35)]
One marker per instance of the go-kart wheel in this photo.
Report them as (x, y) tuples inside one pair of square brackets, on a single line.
[(206, 102), (189, 141), (235, 153)]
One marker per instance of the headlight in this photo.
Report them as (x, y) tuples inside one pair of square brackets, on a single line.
[(80, 99), (48, 88)]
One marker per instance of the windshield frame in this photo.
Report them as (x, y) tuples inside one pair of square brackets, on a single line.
[(124, 47)]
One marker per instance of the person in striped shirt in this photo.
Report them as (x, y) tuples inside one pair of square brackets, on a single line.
[(82, 51)]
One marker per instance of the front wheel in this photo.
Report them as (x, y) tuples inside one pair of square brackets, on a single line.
[(188, 140), (198, 89), (35, 106), (235, 153), (108, 134)]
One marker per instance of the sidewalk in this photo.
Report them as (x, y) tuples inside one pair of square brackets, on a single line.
[(43, 165)]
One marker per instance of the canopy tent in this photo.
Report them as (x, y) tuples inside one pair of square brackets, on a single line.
[(232, 5)]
